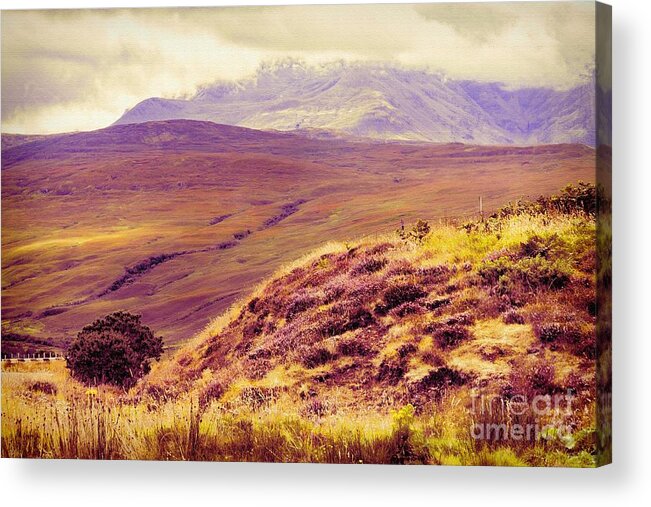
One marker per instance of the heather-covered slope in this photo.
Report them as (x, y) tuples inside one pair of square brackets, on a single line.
[(384, 317), (384, 102), (431, 322)]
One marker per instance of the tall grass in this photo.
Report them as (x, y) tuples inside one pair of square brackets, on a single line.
[(80, 423)]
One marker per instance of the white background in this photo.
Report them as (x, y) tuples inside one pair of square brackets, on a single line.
[(626, 482)]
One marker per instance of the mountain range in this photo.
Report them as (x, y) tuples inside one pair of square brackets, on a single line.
[(379, 101)]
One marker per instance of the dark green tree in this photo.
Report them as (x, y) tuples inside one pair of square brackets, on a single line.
[(116, 349)]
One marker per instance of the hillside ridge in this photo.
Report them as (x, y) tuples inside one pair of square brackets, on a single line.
[(410, 318)]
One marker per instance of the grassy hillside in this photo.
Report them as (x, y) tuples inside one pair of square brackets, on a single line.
[(397, 348), (172, 220)]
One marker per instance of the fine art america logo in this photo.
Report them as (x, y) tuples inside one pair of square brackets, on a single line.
[(521, 417)]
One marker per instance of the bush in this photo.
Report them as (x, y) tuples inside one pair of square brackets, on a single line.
[(577, 337), (417, 233), (317, 357), (450, 335), (392, 370), (408, 309), (404, 293), (513, 317), (532, 378), (345, 316), (45, 387), (299, 303), (538, 246), (511, 277), (581, 198), (316, 408), (353, 347), (463, 319), (442, 378), (212, 392), (368, 265), (399, 268), (548, 332), (541, 377), (113, 350)]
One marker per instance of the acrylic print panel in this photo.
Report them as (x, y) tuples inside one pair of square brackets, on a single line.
[(331, 234)]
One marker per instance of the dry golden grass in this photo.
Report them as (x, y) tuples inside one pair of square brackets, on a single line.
[(78, 422)]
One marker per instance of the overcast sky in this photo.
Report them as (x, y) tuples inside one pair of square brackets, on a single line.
[(80, 69)]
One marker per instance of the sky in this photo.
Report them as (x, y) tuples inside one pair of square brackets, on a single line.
[(66, 70)]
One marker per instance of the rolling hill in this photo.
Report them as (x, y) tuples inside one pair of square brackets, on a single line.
[(178, 219), (384, 102), (439, 347), (386, 321)]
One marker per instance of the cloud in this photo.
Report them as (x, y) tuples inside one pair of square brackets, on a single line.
[(80, 69), (478, 21)]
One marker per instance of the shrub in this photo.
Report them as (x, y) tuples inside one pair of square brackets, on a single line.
[(513, 317), (400, 267), (368, 265), (353, 347), (441, 378), (113, 350), (420, 229), (541, 377), (258, 397), (406, 350), (345, 316), (210, 393), (379, 248), (403, 432), (579, 338), (392, 370), (403, 418), (581, 198), (510, 277), (251, 305), (403, 293), (572, 199), (253, 328), (162, 393), (299, 303), (450, 335), (334, 290), (405, 309), (41, 386), (531, 379), (464, 319), (492, 352), (434, 385), (434, 304), (537, 246), (435, 274), (548, 332), (317, 408), (432, 358), (364, 288), (316, 357)]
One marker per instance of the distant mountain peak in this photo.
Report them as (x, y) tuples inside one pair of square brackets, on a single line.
[(381, 101)]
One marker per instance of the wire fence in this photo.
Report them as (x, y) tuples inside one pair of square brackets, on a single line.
[(41, 356)]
